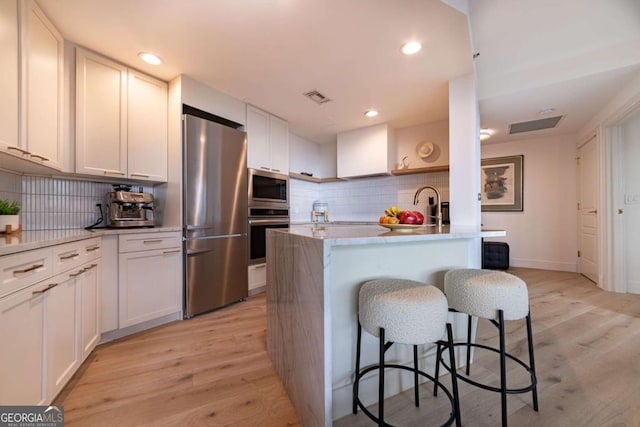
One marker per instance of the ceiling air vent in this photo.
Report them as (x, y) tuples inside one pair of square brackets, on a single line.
[(317, 97), (548, 123)]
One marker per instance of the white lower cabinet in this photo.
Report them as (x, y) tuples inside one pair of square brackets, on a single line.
[(257, 278), (51, 326), (22, 338), (62, 332), (149, 281)]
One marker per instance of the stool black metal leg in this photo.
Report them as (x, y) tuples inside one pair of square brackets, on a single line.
[(356, 382), (415, 376), (532, 363), (469, 321), (503, 368), (435, 383), (454, 376), (381, 381)]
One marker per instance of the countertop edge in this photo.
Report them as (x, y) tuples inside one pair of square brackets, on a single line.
[(37, 239)]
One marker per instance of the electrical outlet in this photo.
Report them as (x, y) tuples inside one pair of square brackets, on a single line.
[(631, 199)]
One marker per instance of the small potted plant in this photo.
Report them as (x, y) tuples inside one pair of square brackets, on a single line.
[(9, 218)]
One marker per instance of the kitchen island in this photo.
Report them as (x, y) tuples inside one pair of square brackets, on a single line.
[(313, 277)]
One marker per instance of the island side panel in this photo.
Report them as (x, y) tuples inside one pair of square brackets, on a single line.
[(295, 323), (350, 266)]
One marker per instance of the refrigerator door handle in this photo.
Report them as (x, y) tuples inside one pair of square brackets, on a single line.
[(223, 236), (197, 251)]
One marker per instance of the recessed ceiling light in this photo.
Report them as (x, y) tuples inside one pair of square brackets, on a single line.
[(150, 58), (411, 48), (371, 113), (485, 134), (546, 110)]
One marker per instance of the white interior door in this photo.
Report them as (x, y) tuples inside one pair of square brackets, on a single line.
[(588, 262)]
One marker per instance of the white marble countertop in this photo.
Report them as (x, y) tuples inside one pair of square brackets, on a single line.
[(27, 240), (350, 234)]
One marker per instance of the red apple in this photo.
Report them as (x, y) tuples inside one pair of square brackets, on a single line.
[(408, 217), (420, 217)]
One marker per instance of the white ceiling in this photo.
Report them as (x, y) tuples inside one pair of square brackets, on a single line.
[(568, 54)]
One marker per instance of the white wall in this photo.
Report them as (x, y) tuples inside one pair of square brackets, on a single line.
[(544, 234), (631, 149), (407, 140)]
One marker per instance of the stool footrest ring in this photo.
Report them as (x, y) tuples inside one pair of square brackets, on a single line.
[(488, 387), (437, 383)]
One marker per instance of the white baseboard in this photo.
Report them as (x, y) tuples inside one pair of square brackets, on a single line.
[(633, 287), (544, 265)]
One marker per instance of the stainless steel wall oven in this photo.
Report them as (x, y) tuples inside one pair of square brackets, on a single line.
[(261, 219)]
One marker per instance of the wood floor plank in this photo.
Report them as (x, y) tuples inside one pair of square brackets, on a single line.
[(213, 370)]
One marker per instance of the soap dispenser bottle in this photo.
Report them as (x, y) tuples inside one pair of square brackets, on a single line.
[(432, 210)]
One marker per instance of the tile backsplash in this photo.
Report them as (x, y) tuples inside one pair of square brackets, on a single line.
[(364, 199), (55, 203)]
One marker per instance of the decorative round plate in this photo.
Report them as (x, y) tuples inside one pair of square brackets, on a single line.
[(402, 228)]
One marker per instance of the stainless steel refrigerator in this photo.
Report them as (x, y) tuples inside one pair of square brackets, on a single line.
[(215, 215)]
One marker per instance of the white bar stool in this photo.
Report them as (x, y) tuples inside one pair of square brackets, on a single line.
[(491, 295), (404, 312)]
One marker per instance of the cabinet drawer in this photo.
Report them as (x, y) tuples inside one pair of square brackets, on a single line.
[(25, 268), (257, 276), (148, 241), (71, 255)]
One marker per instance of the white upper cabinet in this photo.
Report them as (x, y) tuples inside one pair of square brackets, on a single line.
[(147, 128), (31, 59), (279, 142), (101, 115), (366, 151), (267, 141), (9, 80), (42, 70), (121, 120)]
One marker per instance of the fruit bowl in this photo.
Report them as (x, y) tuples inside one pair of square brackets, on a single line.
[(402, 228)]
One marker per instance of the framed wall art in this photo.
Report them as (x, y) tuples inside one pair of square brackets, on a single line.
[(501, 182)]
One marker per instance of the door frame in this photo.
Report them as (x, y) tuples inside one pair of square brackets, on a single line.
[(614, 268)]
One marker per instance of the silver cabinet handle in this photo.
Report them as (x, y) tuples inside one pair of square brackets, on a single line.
[(260, 266), (275, 170), (93, 248), (27, 270), (62, 258), (171, 252), (265, 168), (42, 291), (141, 175), (147, 242), (112, 172), (90, 267)]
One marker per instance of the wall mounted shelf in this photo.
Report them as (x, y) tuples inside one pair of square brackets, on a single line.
[(443, 168), (312, 178)]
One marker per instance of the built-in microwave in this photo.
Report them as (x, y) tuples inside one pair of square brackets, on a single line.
[(268, 189)]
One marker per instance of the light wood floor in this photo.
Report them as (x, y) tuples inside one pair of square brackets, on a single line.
[(214, 370)]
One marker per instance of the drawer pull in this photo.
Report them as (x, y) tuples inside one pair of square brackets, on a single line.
[(38, 156), (141, 175), (171, 252), (111, 172), (78, 273), (68, 256), (11, 147), (42, 291), (90, 267), (27, 270), (147, 242), (260, 266), (93, 248)]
